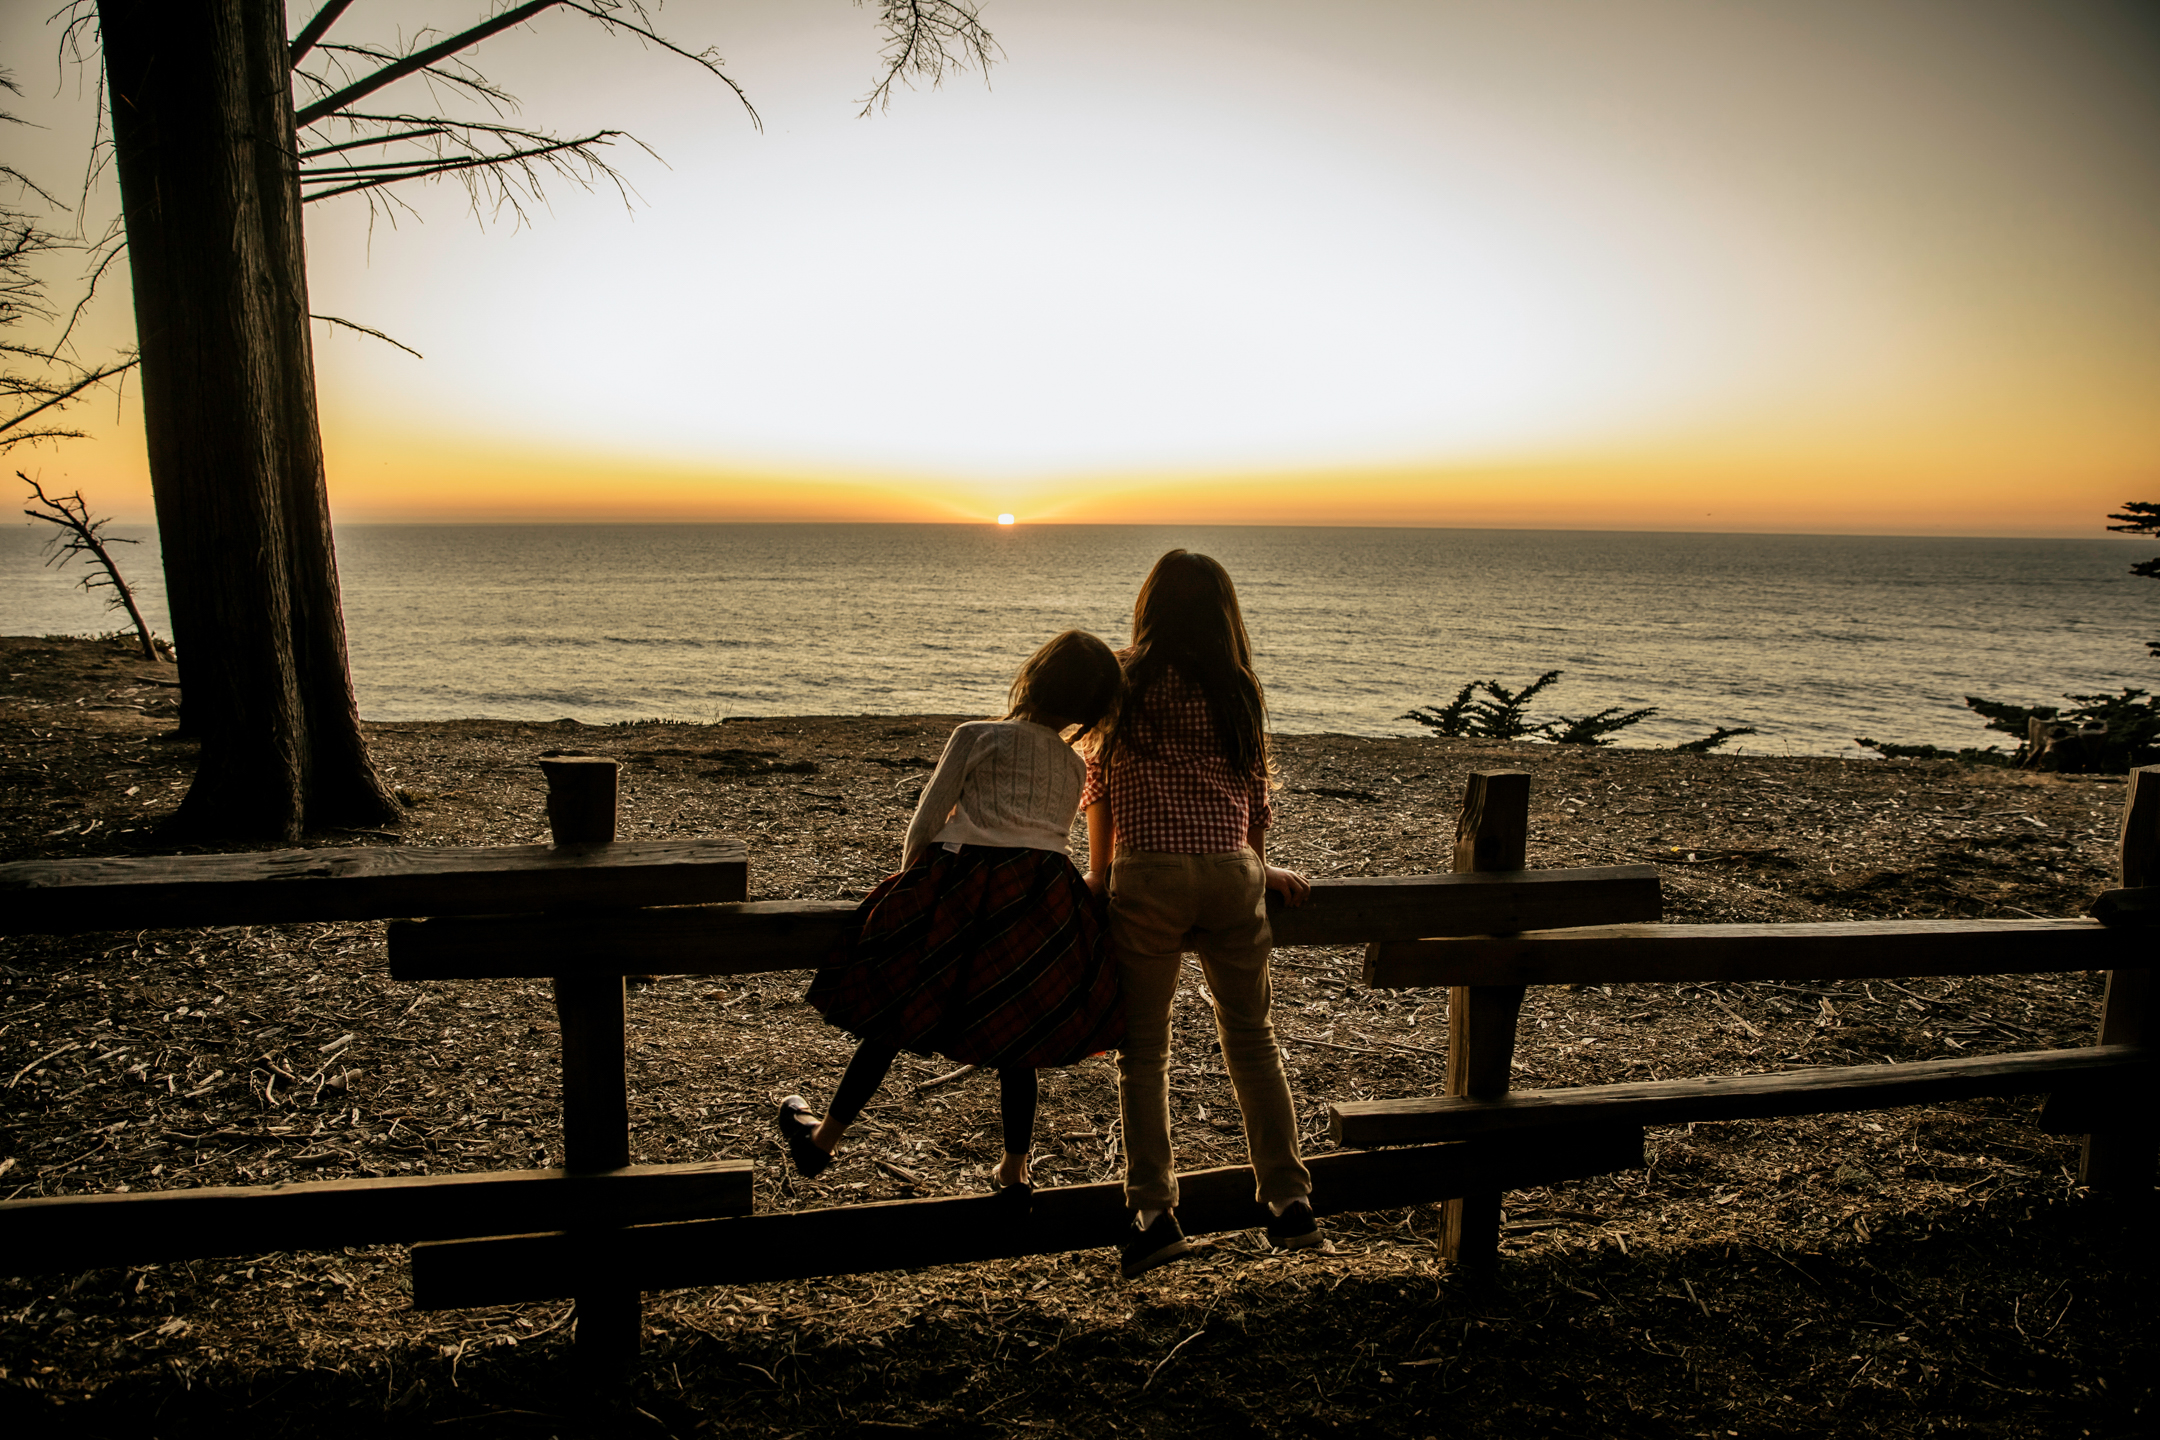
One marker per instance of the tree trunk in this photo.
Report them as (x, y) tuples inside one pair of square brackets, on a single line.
[(203, 140)]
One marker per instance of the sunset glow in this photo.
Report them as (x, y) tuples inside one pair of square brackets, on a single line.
[(1663, 264)]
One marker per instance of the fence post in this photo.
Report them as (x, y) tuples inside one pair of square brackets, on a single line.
[(2122, 1161), (1492, 834), (595, 1096)]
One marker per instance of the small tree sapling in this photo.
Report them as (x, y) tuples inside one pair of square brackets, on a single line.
[(75, 533)]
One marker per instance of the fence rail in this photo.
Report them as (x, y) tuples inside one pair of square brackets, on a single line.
[(766, 935), (587, 910)]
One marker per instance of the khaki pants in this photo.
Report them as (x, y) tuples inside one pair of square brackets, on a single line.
[(1214, 904)]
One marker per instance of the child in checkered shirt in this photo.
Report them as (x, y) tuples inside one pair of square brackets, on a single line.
[(1178, 811), (987, 946)]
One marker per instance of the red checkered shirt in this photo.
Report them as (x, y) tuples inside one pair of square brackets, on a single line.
[(1172, 790)]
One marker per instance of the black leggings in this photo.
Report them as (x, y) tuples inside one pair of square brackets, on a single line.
[(1016, 1092)]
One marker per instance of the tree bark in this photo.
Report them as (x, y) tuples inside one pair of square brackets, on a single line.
[(204, 145)]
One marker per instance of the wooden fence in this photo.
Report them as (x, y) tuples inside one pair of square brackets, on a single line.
[(588, 910)]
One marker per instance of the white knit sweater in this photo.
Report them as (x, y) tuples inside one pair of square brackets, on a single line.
[(1008, 783)]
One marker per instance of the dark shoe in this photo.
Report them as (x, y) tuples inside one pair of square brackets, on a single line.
[(1017, 1200), (796, 1126), (1295, 1229), (1160, 1243)]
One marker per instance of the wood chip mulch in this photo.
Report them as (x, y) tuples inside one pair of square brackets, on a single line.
[(1920, 1271)]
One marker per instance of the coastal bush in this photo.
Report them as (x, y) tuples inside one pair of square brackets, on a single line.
[(2094, 734), (1502, 714)]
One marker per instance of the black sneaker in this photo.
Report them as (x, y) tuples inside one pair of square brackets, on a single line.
[(796, 1125), (1295, 1228), (1160, 1243)]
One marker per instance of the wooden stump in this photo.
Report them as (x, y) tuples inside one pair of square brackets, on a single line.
[(1492, 834)]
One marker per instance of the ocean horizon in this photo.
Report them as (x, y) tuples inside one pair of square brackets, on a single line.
[(1812, 640)]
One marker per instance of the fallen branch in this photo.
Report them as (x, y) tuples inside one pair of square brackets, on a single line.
[(938, 1081)]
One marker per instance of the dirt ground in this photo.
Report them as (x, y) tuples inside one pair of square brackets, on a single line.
[(1922, 1271)]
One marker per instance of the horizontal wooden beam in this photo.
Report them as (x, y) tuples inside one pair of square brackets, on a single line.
[(744, 939), (1816, 1090), (376, 882), (1406, 907), (906, 1234), (1833, 950), (769, 935), (82, 1232)]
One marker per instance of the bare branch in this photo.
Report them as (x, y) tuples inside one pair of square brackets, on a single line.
[(516, 158), (59, 396), (78, 534), (371, 140), (315, 28), (615, 14), (104, 253), (22, 181), (364, 330), (709, 58), (926, 38), (456, 73), (420, 60)]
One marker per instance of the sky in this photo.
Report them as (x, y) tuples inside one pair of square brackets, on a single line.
[(1869, 266)]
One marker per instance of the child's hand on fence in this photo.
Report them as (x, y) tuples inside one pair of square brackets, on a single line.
[(1294, 887)]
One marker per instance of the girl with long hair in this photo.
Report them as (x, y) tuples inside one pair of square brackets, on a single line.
[(1178, 811), (987, 946)]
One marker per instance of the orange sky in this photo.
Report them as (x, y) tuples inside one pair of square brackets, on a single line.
[(1636, 264)]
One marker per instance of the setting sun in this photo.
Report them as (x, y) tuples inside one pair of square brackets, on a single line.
[(1005, 519)]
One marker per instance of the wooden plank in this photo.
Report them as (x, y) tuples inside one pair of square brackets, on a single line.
[(581, 798), (2120, 1158), (2137, 841), (83, 1232), (766, 935), (744, 939), (1816, 1090), (907, 1234), (1832, 950), (61, 897), (595, 1089), (1492, 833), (1406, 907)]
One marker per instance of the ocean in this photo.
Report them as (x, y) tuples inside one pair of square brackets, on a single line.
[(1812, 640)]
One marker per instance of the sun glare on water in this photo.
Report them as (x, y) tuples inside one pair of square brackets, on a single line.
[(1006, 519)]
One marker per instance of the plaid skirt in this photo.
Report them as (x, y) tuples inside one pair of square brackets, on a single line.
[(997, 957)]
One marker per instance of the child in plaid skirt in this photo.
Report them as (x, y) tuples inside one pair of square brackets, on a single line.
[(987, 946)]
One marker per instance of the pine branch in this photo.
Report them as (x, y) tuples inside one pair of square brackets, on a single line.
[(371, 140), (365, 330), (315, 28), (419, 60), (475, 162), (61, 397)]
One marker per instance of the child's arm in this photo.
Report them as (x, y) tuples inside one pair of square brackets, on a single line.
[(939, 796), (1102, 834), (1294, 887)]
